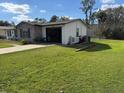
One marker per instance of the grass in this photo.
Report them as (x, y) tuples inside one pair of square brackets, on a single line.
[(99, 69), (7, 43)]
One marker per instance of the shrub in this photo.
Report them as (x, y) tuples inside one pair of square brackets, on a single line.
[(116, 33), (86, 39), (108, 33), (39, 40), (2, 37), (24, 42)]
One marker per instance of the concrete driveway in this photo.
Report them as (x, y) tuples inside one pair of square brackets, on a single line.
[(21, 48)]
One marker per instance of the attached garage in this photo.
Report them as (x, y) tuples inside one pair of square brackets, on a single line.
[(67, 32), (54, 34)]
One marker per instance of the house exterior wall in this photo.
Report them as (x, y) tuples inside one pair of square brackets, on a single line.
[(35, 31), (43, 32), (2, 33), (25, 27), (11, 34), (70, 30)]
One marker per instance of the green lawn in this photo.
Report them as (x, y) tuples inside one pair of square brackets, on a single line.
[(50, 70), (7, 43)]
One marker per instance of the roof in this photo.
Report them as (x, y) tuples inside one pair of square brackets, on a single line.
[(7, 27), (60, 23), (52, 23), (30, 23)]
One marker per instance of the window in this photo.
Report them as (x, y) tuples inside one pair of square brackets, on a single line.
[(25, 34), (8, 33), (77, 32), (29, 34)]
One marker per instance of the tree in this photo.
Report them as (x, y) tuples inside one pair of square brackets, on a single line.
[(87, 6), (5, 23), (91, 18), (54, 18), (36, 19), (64, 18), (111, 22), (12, 23), (101, 17), (40, 20)]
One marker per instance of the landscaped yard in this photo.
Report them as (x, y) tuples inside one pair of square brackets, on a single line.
[(50, 70), (6, 43)]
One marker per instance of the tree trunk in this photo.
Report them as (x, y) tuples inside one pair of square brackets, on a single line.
[(87, 18)]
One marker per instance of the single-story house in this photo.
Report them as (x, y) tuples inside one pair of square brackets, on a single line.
[(59, 32), (7, 32)]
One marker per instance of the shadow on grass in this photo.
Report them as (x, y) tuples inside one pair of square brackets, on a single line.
[(91, 47)]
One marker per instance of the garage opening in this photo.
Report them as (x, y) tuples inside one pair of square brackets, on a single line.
[(54, 35)]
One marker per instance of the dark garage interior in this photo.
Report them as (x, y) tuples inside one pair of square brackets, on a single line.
[(54, 35)]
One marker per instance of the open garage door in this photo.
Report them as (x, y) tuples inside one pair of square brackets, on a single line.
[(54, 35)]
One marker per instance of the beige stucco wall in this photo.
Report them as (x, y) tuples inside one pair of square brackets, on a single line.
[(69, 30)]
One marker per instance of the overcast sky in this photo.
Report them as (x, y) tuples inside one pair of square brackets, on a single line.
[(18, 10)]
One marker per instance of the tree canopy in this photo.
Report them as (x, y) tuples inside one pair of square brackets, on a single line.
[(6, 23), (54, 18), (111, 22), (40, 20), (87, 7)]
